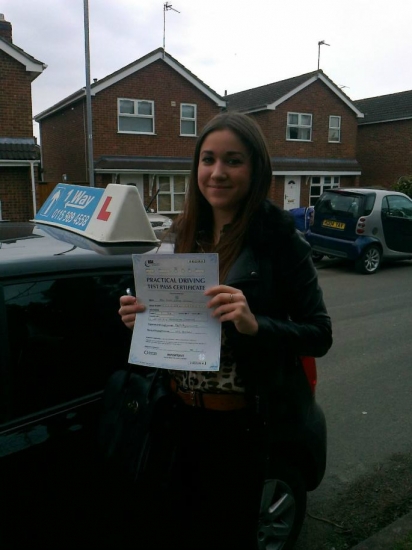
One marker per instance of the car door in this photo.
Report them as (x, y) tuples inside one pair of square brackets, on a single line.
[(61, 337), (397, 223)]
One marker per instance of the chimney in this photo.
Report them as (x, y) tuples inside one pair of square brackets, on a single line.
[(5, 29)]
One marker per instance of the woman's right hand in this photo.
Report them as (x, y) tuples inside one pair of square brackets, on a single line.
[(129, 307)]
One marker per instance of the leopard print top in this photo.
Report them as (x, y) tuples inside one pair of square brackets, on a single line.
[(225, 380)]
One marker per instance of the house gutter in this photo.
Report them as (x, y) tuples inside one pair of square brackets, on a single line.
[(18, 162), (316, 173), (140, 171)]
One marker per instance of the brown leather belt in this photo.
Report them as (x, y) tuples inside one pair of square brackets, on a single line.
[(212, 401)]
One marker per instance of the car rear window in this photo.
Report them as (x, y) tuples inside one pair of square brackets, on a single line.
[(345, 204)]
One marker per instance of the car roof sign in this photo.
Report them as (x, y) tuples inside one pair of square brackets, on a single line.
[(111, 215)]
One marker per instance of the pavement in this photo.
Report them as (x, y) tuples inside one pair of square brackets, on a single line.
[(385, 539)]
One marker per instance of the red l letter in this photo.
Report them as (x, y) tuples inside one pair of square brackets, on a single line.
[(104, 214)]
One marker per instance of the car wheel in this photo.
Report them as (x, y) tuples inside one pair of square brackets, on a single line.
[(282, 510), (369, 261), (317, 256)]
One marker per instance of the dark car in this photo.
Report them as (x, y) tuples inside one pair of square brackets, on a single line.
[(365, 226), (60, 339)]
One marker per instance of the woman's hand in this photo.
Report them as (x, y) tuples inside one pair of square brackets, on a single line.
[(230, 304), (129, 307)]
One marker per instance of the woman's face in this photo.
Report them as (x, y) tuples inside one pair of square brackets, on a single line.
[(224, 171)]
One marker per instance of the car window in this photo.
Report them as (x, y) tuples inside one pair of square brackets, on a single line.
[(65, 337), (368, 204), (398, 207), (333, 204)]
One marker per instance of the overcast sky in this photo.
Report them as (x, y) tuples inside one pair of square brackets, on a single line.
[(230, 45)]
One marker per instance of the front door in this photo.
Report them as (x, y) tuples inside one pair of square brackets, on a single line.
[(292, 192)]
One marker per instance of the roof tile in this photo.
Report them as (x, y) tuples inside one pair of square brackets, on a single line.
[(385, 107)]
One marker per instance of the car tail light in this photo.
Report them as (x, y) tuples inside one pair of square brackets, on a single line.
[(309, 366), (360, 226)]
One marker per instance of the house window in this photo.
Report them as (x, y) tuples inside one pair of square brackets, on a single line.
[(187, 119), (334, 128), (172, 193), (319, 184), (299, 127), (136, 116)]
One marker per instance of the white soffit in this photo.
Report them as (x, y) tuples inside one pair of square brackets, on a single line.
[(31, 65)]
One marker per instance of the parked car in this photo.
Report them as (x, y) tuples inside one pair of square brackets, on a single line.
[(365, 226), (60, 338), (159, 222)]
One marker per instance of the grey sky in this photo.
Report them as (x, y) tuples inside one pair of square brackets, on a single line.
[(230, 45)]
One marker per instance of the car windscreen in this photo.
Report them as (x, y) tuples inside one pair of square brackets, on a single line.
[(349, 205)]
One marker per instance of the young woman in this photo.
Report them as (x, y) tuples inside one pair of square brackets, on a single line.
[(271, 310)]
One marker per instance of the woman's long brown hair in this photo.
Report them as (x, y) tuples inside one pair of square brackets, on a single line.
[(197, 215)]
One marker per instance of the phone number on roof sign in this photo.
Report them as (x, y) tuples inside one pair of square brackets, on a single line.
[(69, 216)]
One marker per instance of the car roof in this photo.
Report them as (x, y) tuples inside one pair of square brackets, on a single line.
[(30, 248), (117, 227), (366, 191)]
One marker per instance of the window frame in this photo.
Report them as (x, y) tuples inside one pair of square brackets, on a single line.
[(135, 115), (335, 128), (323, 185), (187, 119), (299, 126), (171, 192)]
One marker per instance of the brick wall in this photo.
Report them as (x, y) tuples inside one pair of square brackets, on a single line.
[(15, 99), (63, 139), (318, 100), (385, 152), (15, 122), (15, 194), (63, 135), (160, 83)]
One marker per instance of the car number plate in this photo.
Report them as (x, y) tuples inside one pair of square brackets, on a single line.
[(333, 224)]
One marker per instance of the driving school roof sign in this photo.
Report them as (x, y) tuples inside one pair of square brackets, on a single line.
[(112, 215)]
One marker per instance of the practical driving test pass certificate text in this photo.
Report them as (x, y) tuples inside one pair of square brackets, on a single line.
[(177, 330)]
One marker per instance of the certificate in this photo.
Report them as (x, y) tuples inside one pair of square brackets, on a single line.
[(177, 330)]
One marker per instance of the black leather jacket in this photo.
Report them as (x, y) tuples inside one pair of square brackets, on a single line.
[(276, 274)]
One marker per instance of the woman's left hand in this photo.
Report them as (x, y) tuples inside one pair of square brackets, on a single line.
[(230, 304)]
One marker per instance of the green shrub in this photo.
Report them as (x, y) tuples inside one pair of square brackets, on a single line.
[(404, 185)]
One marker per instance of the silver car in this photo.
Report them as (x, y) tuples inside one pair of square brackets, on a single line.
[(159, 222), (367, 226)]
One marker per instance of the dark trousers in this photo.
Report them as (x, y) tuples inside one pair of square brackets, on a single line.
[(204, 481)]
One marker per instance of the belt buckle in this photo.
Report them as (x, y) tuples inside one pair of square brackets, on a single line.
[(196, 398)]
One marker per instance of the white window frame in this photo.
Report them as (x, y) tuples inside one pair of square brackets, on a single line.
[(334, 128), (299, 126), (324, 183), (188, 119), (171, 192), (135, 114)]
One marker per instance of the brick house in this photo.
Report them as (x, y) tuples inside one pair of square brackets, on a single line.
[(310, 127), (146, 117), (385, 138), (19, 152)]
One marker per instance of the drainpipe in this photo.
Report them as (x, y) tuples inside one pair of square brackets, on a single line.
[(33, 188)]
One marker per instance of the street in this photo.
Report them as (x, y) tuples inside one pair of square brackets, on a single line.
[(365, 389)]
